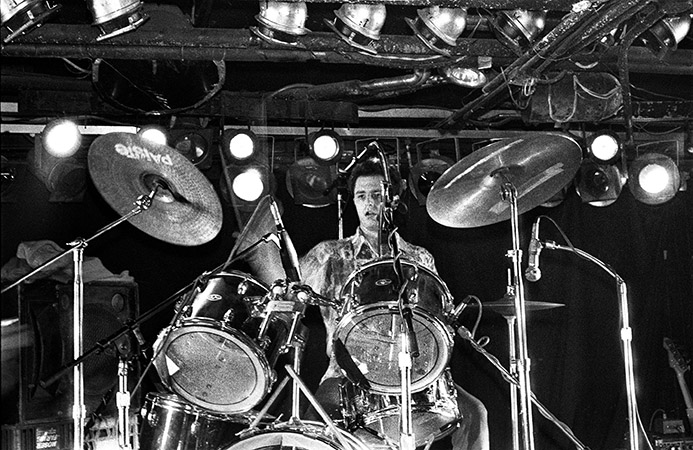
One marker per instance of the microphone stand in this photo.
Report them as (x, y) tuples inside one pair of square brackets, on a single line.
[(626, 337), (509, 194), (410, 347), (142, 203)]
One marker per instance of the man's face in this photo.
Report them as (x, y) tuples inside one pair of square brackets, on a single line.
[(367, 199)]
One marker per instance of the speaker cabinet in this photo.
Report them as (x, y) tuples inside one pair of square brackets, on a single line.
[(47, 308)]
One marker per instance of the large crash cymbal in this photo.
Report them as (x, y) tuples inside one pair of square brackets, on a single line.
[(184, 211), (469, 194)]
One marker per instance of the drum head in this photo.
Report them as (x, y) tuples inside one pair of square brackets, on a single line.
[(308, 436), (215, 367), (371, 334), (376, 282)]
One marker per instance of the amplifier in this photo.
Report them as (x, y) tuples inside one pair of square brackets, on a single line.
[(673, 443)]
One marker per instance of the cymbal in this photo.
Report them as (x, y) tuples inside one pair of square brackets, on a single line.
[(185, 210), (506, 306), (469, 194)]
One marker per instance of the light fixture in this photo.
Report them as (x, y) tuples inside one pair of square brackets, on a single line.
[(518, 28), (470, 77), (64, 176), (653, 178), (154, 133), (20, 17), (115, 17), (359, 24), (61, 138), (604, 147), (438, 28), (597, 184), (281, 22), (325, 146), (424, 174), (665, 35), (246, 171), (309, 183), (194, 145)]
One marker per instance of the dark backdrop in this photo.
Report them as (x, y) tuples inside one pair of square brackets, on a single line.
[(577, 364)]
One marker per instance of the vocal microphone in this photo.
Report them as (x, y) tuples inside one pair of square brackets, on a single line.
[(533, 273), (286, 250)]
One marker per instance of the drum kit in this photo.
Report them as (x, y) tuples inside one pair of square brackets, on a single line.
[(231, 333)]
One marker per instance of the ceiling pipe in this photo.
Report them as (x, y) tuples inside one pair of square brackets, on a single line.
[(357, 88)]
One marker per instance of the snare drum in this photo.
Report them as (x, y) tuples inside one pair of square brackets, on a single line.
[(213, 357), (169, 423), (435, 413), (371, 330), (306, 436)]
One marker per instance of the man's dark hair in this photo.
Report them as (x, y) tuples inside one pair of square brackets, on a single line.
[(372, 166)]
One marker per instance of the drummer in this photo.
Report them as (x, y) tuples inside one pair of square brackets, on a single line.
[(326, 268)]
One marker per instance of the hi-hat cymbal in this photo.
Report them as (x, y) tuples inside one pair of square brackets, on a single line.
[(184, 211), (506, 306), (469, 194)]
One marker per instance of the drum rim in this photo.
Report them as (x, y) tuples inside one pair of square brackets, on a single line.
[(244, 275), (445, 342), (447, 307), (260, 364)]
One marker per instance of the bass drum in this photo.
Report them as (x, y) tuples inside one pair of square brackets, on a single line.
[(307, 436), (170, 423), (370, 331), (435, 413), (213, 357)]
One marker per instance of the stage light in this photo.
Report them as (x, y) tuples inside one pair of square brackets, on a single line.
[(20, 17), (653, 178), (604, 147), (240, 144), (281, 22), (155, 134), (359, 25), (438, 28), (246, 171), (664, 36), (61, 138), (469, 77), (115, 17), (194, 146), (598, 184), (64, 177), (518, 28), (309, 183), (424, 174), (325, 146)]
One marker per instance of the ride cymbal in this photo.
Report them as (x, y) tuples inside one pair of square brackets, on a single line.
[(506, 306), (470, 193), (185, 210)]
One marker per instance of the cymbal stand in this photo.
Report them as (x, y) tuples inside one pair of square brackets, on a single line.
[(123, 405), (509, 194), (142, 203), (514, 384), (626, 337)]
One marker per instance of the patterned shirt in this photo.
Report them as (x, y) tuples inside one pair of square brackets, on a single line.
[(327, 267)]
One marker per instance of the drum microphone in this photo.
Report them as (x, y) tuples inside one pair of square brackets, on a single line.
[(533, 273), (286, 250)]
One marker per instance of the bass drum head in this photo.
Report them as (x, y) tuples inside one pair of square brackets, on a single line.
[(371, 335), (214, 367), (308, 436)]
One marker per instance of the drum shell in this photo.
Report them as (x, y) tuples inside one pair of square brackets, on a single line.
[(435, 412), (169, 423), (213, 357), (376, 282)]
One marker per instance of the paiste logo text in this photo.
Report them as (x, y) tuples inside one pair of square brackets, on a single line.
[(137, 152)]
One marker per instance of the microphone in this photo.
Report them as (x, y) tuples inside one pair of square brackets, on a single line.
[(533, 273), (455, 314), (286, 249)]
